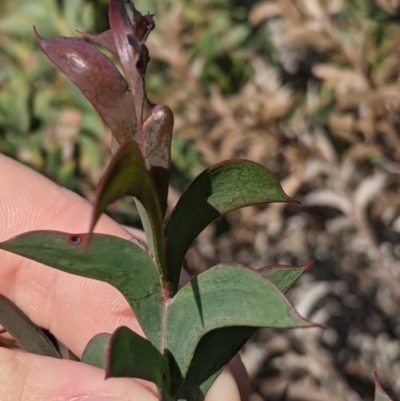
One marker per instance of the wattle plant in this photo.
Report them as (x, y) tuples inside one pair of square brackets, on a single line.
[(191, 332)]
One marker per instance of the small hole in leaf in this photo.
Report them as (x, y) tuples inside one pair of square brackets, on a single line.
[(74, 239)]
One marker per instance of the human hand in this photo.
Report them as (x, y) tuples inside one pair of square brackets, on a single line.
[(73, 308)]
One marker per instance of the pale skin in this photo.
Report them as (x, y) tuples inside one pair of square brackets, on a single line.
[(74, 309)]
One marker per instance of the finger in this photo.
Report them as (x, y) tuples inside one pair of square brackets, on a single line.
[(29, 201), (224, 388), (72, 308), (28, 377)]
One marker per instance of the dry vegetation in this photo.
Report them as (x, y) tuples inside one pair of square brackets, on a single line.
[(322, 112), (311, 90)]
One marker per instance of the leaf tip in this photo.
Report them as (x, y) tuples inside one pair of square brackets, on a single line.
[(313, 325), (37, 36), (378, 385), (295, 201), (310, 324), (88, 240), (310, 264), (81, 32)]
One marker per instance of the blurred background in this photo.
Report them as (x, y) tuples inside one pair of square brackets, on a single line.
[(308, 88)]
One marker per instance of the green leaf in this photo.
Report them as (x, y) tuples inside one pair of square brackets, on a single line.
[(224, 296), (29, 336), (380, 393), (116, 261), (220, 189), (126, 174), (284, 276), (214, 351), (95, 352), (131, 355)]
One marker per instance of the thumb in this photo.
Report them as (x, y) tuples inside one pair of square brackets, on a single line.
[(28, 377)]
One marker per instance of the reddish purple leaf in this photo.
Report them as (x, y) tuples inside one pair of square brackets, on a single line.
[(105, 39), (158, 134), (129, 41), (98, 79), (121, 28)]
